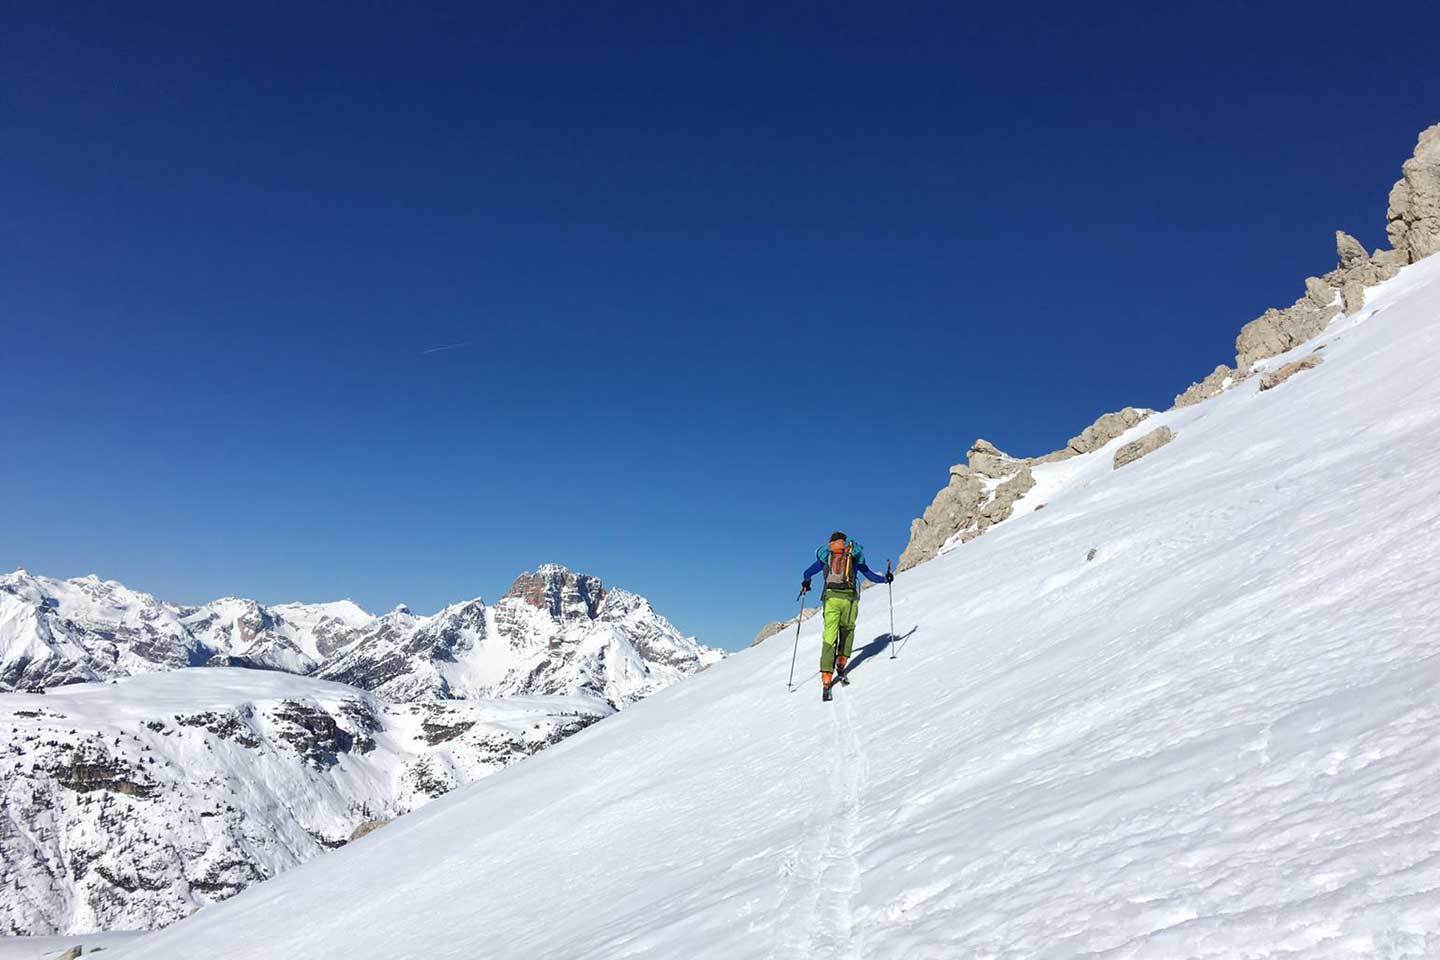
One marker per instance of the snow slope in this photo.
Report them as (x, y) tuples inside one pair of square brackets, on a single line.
[(1218, 738)]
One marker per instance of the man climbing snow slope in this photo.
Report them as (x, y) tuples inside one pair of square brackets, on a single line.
[(841, 560)]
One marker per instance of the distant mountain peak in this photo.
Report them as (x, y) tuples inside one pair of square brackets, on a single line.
[(559, 591)]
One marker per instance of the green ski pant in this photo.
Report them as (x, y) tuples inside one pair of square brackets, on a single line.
[(840, 614)]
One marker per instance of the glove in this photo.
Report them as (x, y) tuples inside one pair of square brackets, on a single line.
[(804, 586), (889, 577)]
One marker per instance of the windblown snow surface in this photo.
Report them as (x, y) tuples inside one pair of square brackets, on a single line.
[(1218, 738)]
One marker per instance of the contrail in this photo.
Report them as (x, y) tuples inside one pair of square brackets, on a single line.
[(448, 346)]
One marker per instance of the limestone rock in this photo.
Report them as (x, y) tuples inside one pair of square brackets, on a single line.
[(366, 828), (1219, 380), (1318, 292), (1002, 504), (1107, 428), (1414, 211), (1387, 263), (770, 629), (988, 460), (1350, 251), (1352, 296), (72, 954), (1147, 444), (1277, 377), (981, 445), (1276, 331), (968, 506), (954, 508)]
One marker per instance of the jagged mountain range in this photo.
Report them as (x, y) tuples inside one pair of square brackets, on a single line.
[(554, 632), (144, 776)]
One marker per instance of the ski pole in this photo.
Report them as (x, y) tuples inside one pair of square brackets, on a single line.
[(890, 587), (799, 619)]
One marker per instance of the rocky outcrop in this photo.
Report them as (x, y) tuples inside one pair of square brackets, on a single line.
[(1413, 217), (1002, 503), (1147, 444), (1276, 331), (1277, 377), (973, 500), (1351, 251), (1219, 380), (366, 828), (1106, 428), (988, 460), (970, 503), (770, 629), (1387, 263), (1413, 226)]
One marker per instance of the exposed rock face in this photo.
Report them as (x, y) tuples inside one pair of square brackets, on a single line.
[(970, 503), (1277, 377), (1354, 273), (1219, 380), (1414, 212), (1318, 292), (770, 629), (988, 460), (1413, 226), (366, 828), (1147, 444), (563, 594), (1351, 252), (1276, 331), (1387, 263), (1002, 504), (1107, 428)]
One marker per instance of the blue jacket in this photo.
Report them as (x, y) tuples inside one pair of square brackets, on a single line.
[(860, 566)]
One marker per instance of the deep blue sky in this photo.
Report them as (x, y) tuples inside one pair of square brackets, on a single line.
[(722, 280)]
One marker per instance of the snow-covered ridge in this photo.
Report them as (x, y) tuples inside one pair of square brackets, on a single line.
[(1185, 711), (555, 632)]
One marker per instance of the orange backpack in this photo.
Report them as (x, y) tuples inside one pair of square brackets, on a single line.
[(840, 565)]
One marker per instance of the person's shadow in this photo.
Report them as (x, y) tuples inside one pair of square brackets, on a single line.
[(876, 647)]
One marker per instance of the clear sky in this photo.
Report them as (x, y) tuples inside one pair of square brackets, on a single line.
[(306, 301)]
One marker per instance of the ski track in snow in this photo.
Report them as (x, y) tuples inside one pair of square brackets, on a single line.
[(824, 873), (1217, 740)]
